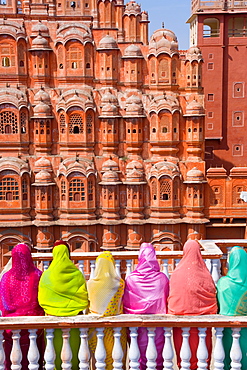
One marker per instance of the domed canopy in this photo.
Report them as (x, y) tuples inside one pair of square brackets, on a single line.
[(194, 53), (43, 96), (163, 41), (133, 51), (108, 42), (43, 177), (42, 164), (134, 105), (194, 108), (195, 176), (40, 28), (110, 165), (110, 177), (40, 43), (132, 8), (42, 110)]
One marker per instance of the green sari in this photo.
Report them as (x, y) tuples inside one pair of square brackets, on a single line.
[(63, 292), (232, 300)]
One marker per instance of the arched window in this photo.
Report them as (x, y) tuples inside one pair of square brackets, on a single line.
[(74, 57), (8, 55), (163, 71), (89, 123), (8, 122), (76, 124), (23, 121), (154, 189), (90, 190), (76, 190), (211, 27), (165, 189), (24, 189), (62, 123), (9, 189), (63, 190)]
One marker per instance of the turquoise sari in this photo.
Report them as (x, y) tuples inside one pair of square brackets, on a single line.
[(232, 300)]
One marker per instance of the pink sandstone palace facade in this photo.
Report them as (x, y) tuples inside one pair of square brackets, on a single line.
[(102, 130)]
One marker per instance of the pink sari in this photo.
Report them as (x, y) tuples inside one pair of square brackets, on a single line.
[(192, 292), (146, 292), (19, 297)]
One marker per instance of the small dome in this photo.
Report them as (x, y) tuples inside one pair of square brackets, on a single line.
[(39, 42), (108, 42), (42, 109), (134, 164), (108, 97), (110, 165), (42, 164), (144, 16), (134, 105), (164, 168), (134, 175), (40, 28), (109, 109), (43, 96), (163, 40), (43, 177), (110, 176), (194, 175), (133, 51), (132, 8), (194, 53), (194, 108)]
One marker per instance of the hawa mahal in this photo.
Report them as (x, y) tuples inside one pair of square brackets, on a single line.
[(109, 138)]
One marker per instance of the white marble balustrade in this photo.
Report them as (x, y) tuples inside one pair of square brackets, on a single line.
[(118, 356)]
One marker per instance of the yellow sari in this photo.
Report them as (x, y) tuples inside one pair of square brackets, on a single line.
[(105, 293)]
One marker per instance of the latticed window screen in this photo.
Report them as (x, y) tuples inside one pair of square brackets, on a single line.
[(62, 123), (165, 190), (24, 189), (236, 194), (89, 123), (23, 120), (8, 123), (76, 124), (90, 190), (9, 189), (76, 190), (7, 52), (154, 189), (74, 58)]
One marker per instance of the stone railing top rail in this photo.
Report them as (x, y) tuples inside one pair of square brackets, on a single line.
[(89, 321)]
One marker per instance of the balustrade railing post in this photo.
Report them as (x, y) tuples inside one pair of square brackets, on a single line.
[(84, 353), (92, 269), (118, 267), (33, 352), (2, 353), (185, 352), (165, 267), (100, 352), (219, 354), (168, 352), (117, 352), (235, 353), (128, 267), (45, 265), (66, 353), (202, 352), (151, 353), (208, 263), (134, 352), (50, 354), (215, 270), (16, 355), (81, 266)]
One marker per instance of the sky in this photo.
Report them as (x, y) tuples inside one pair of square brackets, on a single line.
[(174, 13)]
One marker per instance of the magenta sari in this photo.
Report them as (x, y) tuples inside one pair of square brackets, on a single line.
[(19, 297), (146, 292)]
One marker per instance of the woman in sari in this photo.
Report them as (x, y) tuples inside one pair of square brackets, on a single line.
[(105, 293), (192, 292), (232, 300), (63, 292), (146, 292), (19, 297)]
